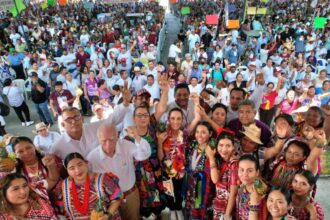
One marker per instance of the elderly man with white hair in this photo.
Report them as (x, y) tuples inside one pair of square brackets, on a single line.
[(118, 156)]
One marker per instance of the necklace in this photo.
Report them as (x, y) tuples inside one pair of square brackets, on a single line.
[(34, 169), (81, 208)]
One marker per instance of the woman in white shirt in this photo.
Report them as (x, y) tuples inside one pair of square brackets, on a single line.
[(16, 100), (217, 54)]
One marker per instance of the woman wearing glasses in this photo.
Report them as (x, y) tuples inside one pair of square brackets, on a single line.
[(148, 172)]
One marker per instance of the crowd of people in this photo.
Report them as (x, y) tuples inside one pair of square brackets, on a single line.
[(232, 126)]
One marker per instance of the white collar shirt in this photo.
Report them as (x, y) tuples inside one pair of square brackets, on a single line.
[(122, 162)]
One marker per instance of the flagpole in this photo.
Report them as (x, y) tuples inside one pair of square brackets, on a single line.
[(20, 23)]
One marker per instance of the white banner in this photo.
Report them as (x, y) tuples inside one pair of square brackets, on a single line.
[(6, 5)]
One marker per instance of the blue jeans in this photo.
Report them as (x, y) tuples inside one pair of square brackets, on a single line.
[(44, 112)]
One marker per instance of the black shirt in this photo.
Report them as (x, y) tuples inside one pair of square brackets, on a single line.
[(38, 97)]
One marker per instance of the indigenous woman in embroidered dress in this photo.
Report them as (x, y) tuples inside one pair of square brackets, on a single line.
[(171, 151), (218, 118), (278, 203), (18, 201), (224, 176), (79, 196), (200, 190), (303, 206), (248, 172), (298, 155), (42, 172), (148, 172)]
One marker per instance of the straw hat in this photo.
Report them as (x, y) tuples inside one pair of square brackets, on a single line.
[(253, 133), (40, 126)]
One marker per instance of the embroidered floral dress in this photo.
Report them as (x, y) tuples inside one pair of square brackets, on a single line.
[(149, 176), (283, 174), (39, 209), (199, 187), (174, 154), (243, 207), (101, 185), (302, 213), (227, 178)]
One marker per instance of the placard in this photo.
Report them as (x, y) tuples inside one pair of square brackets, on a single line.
[(212, 19), (251, 10), (320, 22), (185, 10)]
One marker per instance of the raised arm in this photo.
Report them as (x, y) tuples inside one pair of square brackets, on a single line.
[(163, 83), (140, 149), (282, 132), (316, 145)]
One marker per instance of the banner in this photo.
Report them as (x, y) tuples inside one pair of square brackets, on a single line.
[(233, 24), (212, 19), (261, 11), (6, 5), (62, 2), (44, 5), (320, 22), (20, 6), (251, 10), (185, 10), (51, 2)]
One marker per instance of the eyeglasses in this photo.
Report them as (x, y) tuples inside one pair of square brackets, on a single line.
[(70, 120), (146, 115)]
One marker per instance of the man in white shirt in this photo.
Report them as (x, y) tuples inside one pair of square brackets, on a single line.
[(175, 49), (81, 138), (268, 70), (152, 69), (139, 80), (118, 156), (196, 87), (192, 39), (152, 87)]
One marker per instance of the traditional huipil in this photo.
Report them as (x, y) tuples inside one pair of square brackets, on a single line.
[(199, 191), (39, 209), (77, 202), (227, 177), (149, 177), (174, 167)]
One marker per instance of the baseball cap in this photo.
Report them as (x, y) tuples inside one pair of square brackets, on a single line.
[(123, 60), (143, 92), (286, 117)]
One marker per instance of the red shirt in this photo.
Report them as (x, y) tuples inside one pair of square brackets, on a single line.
[(82, 58), (268, 101), (58, 98)]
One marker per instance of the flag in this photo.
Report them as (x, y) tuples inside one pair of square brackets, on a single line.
[(44, 5), (51, 2), (20, 6)]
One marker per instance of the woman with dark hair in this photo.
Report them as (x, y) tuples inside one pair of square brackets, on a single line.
[(16, 100), (199, 188), (84, 195), (218, 117), (239, 83), (102, 90), (246, 204), (41, 171), (171, 151), (148, 172), (224, 176), (18, 201), (297, 155), (303, 205), (267, 108), (278, 204)]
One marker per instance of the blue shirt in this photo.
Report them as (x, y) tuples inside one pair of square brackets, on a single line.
[(16, 59)]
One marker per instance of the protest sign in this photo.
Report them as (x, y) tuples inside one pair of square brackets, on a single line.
[(44, 5)]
